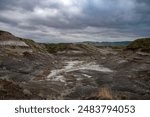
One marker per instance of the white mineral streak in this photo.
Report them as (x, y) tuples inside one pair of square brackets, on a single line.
[(57, 75)]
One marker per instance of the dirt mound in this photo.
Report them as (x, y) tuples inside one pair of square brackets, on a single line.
[(7, 39), (7, 36), (9, 90)]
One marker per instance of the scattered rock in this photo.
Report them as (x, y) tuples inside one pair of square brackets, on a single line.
[(27, 92)]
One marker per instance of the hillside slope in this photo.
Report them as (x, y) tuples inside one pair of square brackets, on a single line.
[(140, 44), (7, 39), (31, 70)]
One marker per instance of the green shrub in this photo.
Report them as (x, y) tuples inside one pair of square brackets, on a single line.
[(54, 48)]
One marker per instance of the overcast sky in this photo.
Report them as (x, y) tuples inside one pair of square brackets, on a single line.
[(76, 20)]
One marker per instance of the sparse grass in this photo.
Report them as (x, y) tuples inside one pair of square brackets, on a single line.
[(29, 42), (33, 45), (105, 94), (142, 44), (54, 48)]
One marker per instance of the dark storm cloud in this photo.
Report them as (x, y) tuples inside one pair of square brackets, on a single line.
[(76, 20)]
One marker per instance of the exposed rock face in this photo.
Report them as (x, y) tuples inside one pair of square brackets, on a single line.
[(7, 36), (7, 39), (13, 43)]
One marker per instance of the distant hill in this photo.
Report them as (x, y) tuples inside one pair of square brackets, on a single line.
[(120, 43), (140, 44), (9, 40)]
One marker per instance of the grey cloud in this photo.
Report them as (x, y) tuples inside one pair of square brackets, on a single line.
[(76, 20)]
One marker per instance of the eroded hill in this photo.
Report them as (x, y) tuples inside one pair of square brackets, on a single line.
[(71, 71)]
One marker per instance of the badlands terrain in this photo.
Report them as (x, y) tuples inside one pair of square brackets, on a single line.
[(30, 70)]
